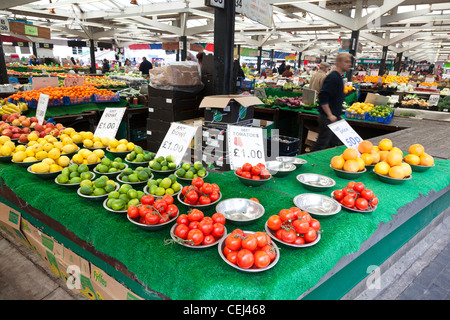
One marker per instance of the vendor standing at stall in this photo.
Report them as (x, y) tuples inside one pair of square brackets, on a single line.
[(331, 97), (287, 73), (105, 66), (318, 78), (34, 61), (145, 67)]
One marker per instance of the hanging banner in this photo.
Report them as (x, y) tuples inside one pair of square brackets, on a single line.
[(258, 10)]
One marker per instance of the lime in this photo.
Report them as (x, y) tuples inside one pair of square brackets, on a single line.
[(170, 159), (86, 183), (124, 197), (75, 180), (186, 166), (133, 202), (86, 190), (166, 183), (113, 195), (83, 168), (62, 178), (147, 157), (65, 171), (170, 191), (121, 165), (172, 166), (116, 165), (111, 170), (99, 192), (152, 189), (118, 159), (160, 191), (73, 167), (181, 172), (160, 159), (189, 175), (106, 162), (124, 178), (131, 156), (132, 194), (118, 204), (140, 158), (176, 187), (165, 168), (201, 173), (86, 175), (138, 150), (156, 166), (127, 172), (124, 188), (143, 175), (173, 178), (74, 174), (110, 187), (104, 177), (99, 183), (109, 203), (101, 168), (140, 194), (198, 165), (133, 178), (163, 163)]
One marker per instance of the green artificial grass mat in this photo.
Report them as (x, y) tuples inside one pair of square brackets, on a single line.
[(182, 273)]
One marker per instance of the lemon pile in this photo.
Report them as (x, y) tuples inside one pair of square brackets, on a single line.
[(7, 147), (86, 156), (121, 145), (50, 165), (43, 148), (360, 107)]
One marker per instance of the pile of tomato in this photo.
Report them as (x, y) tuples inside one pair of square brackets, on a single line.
[(356, 196), (294, 226), (200, 192), (257, 172), (152, 212), (249, 250), (197, 230)]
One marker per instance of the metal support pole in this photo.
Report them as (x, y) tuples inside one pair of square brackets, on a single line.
[(382, 68), (92, 52), (300, 59), (353, 50), (183, 48), (224, 48), (238, 53), (258, 63), (272, 53), (3, 72), (398, 62), (34, 49)]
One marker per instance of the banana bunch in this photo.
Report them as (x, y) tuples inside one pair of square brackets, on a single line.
[(9, 108)]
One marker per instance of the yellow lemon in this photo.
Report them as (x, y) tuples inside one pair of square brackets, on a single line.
[(40, 167), (20, 147), (32, 143), (130, 146), (105, 141), (88, 135), (3, 139), (30, 152), (113, 143), (32, 137), (77, 138), (382, 168), (88, 143), (19, 156), (58, 145), (84, 153), (69, 148), (54, 154), (77, 158), (51, 139), (5, 151), (48, 146), (124, 141), (48, 161), (99, 152), (62, 136), (92, 158), (68, 131), (41, 155), (63, 161), (98, 144), (54, 168), (67, 141), (29, 159), (95, 139), (122, 147)]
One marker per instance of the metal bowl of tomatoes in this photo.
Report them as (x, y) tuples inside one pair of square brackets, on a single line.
[(152, 227), (202, 207), (272, 234), (185, 243), (369, 209), (250, 262), (252, 182), (240, 211)]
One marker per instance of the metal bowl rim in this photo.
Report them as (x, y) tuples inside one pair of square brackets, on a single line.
[(323, 196), (173, 236), (320, 175), (228, 219), (310, 244)]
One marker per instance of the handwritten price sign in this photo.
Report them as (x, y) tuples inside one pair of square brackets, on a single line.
[(245, 145), (177, 141), (345, 133), (109, 122), (73, 81), (41, 109)]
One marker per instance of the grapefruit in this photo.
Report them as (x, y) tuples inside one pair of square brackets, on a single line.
[(416, 149), (426, 160), (350, 154), (397, 172), (382, 168), (367, 158), (337, 162), (351, 166), (394, 158), (412, 159), (365, 147), (385, 145)]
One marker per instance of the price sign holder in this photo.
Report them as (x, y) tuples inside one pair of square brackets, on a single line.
[(245, 145), (345, 133), (260, 93), (434, 100), (41, 108), (373, 73), (177, 141), (44, 82), (109, 122), (73, 81), (392, 73)]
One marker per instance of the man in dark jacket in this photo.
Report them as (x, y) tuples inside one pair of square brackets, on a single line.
[(331, 97), (145, 67), (282, 68), (105, 66)]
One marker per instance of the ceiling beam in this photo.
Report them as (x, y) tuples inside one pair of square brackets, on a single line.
[(328, 15), (377, 13)]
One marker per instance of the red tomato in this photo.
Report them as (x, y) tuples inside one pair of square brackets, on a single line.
[(261, 259), (286, 214), (367, 194), (226, 251), (183, 219), (250, 242), (203, 200), (358, 187), (147, 199), (278, 234), (254, 199), (361, 204), (206, 188), (305, 216), (168, 199), (374, 202), (315, 224), (288, 236), (299, 241), (245, 259), (247, 167), (215, 187), (181, 231), (198, 182), (338, 194), (164, 218), (265, 174), (214, 196), (270, 250), (232, 257), (192, 196), (274, 222), (349, 201), (239, 232), (133, 212), (233, 242), (348, 191), (256, 171), (246, 175), (208, 239), (196, 236), (195, 215), (205, 227), (300, 226), (262, 238), (239, 172), (143, 210), (256, 178), (172, 210), (261, 166), (311, 235), (193, 225), (142, 220), (185, 190), (218, 230), (151, 218), (160, 205), (351, 184), (295, 210), (207, 219), (218, 218)]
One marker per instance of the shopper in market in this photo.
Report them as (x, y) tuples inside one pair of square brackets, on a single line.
[(127, 68), (318, 78), (34, 61), (105, 66), (287, 73), (263, 73), (245, 68), (331, 97), (145, 67), (282, 68), (199, 57)]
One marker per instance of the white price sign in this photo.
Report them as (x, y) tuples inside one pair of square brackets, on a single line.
[(404, 74), (177, 141), (109, 122), (434, 100), (41, 109), (392, 73), (238, 6), (245, 145), (373, 73), (281, 82), (395, 98), (44, 82), (345, 133), (216, 3), (4, 25), (429, 80)]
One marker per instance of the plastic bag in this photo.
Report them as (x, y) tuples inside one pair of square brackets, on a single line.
[(177, 76)]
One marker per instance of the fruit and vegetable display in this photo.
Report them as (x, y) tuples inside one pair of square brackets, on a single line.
[(103, 82), (349, 89), (139, 155), (356, 196), (162, 186), (414, 100), (190, 171), (196, 229), (123, 198), (153, 211), (293, 226), (257, 172), (86, 156), (360, 107), (163, 163), (200, 193), (7, 108), (418, 157), (107, 165), (398, 79), (251, 250), (391, 162), (74, 174), (98, 187), (349, 161), (122, 145), (140, 174)]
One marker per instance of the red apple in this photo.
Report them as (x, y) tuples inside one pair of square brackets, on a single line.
[(21, 118), (4, 117), (59, 126), (7, 132), (26, 130), (33, 119), (55, 132), (26, 123), (16, 130), (39, 127), (42, 134), (15, 122), (33, 124), (23, 138), (50, 125), (47, 130), (15, 136)]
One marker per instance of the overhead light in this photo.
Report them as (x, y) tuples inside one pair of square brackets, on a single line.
[(134, 2)]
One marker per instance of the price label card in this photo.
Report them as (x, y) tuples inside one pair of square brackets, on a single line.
[(395, 98), (434, 100), (177, 141), (44, 82), (296, 80), (345, 133), (41, 109), (281, 82), (361, 73), (429, 80), (373, 73), (392, 73), (404, 74), (73, 81), (245, 145), (4, 25), (109, 122)]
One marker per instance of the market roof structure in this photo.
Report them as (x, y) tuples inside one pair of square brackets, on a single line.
[(417, 28)]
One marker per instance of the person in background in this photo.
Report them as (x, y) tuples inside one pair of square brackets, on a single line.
[(245, 68), (331, 97), (127, 66), (274, 69), (72, 59), (286, 73), (317, 79), (263, 73), (282, 68), (145, 67), (199, 57), (105, 66), (34, 61)]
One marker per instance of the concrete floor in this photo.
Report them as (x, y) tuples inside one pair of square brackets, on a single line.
[(420, 270)]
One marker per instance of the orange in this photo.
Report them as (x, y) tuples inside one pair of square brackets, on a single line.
[(365, 147), (416, 149), (362, 164), (397, 172), (383, 155), (426, 160), (397, 150), (350, 154), (406, 168), (351, 166), (367, 158), (412, 159), (337, 162), (375, 148), (394, 158), (385, 145), (375, 157), (382, 168)]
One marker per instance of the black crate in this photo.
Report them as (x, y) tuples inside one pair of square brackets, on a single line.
[(158, 125), (153, 145), (186, 92), (287, 146), (174, 115)]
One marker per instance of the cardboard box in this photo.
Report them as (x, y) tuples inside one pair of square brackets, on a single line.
[(230, 109), (10, 221), (35, 234), (376, 99)]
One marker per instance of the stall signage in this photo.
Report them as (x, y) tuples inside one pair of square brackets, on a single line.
[(4, 25), (44, 82), (392, 73), (245, 145), (73, 81), (373, 73), (177, 141), (404, 74), (361, 73), (429, 80), (109, 122), (345, 133), (215, 3), (281, 82), (434, 100), (238, 8), (41, 108), (31, 30)]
